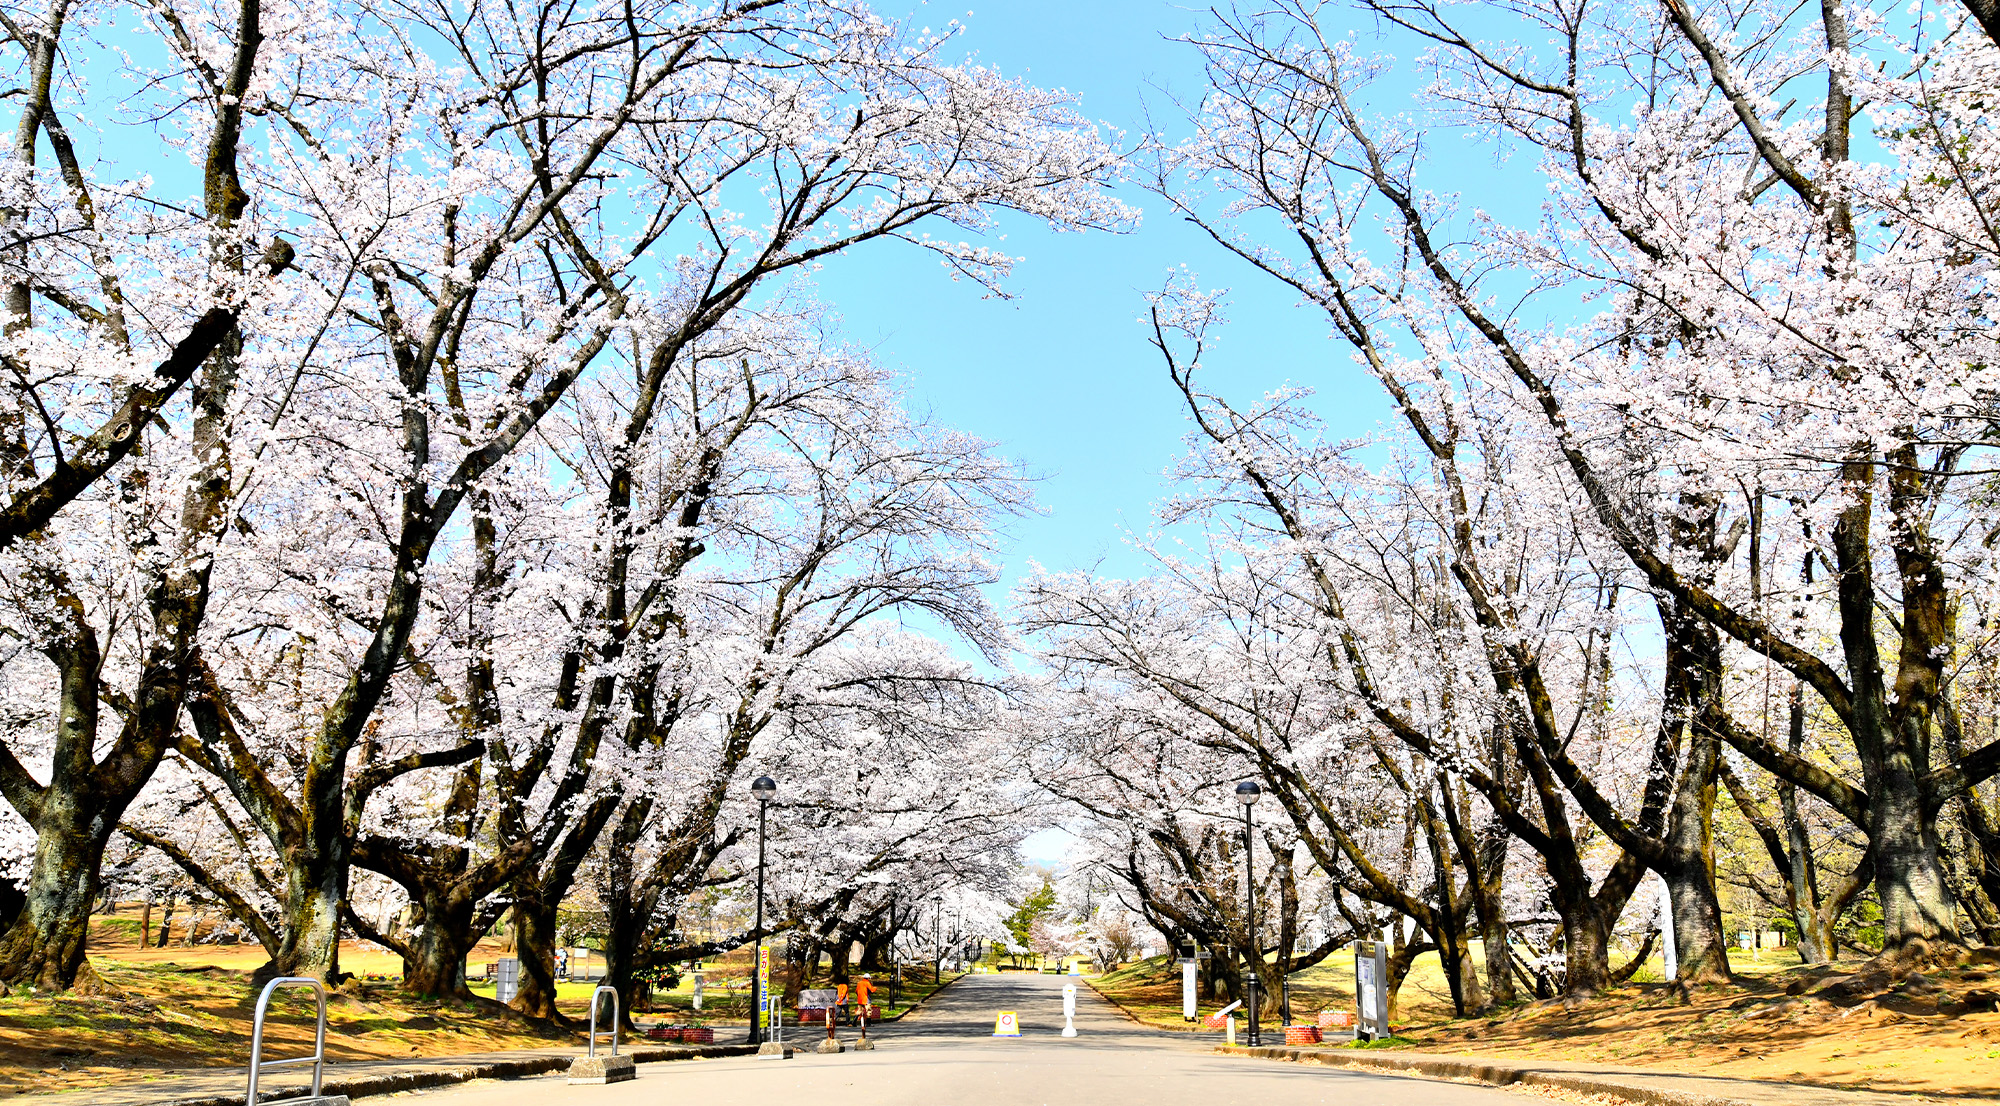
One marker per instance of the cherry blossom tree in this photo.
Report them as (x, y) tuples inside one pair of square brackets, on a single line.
[(485, 207), (1696, 405)]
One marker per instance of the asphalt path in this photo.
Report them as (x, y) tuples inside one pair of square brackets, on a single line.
[(944, 1054)]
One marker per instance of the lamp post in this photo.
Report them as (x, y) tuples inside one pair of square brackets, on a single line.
[(1247, 793), (937, 940), (765, 789)]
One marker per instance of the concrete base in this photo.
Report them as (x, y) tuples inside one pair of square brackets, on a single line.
[(830, 1046), (602, 1069), (772, 1050), (310, 1100), (864, 1045)]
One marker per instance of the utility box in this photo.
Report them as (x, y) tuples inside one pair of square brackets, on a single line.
[(507, 978)]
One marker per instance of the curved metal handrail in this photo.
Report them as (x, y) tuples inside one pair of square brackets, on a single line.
[(318, 1057), (594, 996)]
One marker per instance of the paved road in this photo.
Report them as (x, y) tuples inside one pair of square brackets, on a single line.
[(945, 1055)]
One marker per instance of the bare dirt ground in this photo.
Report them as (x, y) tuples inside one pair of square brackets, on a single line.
[(1935, 1035), (170, 1010), (178, 1008)]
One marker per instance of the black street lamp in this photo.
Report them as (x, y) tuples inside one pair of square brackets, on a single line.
[(765, 789), (1247, 793)]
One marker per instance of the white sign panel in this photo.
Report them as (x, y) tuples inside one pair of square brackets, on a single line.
[(507, 978), (1371, 989), (1187, 990)]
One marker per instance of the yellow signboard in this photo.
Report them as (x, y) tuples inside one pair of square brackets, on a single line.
[(763, 986), (1006, 1025)]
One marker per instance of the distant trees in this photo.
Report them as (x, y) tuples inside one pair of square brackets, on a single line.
[(1029, 926)]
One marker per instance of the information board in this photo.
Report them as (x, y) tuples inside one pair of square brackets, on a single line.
[(1371, 989)]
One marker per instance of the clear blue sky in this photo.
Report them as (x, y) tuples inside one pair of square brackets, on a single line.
[(1061, 376)]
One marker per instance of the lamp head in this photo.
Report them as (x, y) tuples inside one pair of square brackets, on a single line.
[(1248, 792), (764, 788)]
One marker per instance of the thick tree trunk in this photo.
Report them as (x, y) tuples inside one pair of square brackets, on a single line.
[(1472, 999), (315, 887), (1268, 996), (1892, 727), (625, 954), (1491, 908), (1500, 989), (535, 944), (1400, 963), (1586, 952), (1919, 917), (434, 966), (1700, 943), (1222, 982), (75, 815), (843, 948), (44, 948), (872, 953), (808, 964), (1587, 921)]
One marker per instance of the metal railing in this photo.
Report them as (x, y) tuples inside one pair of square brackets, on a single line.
[(318, 1057), (594, 996)]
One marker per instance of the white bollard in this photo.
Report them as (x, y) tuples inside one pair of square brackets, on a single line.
[(1069, 1010), (1229, 1031)]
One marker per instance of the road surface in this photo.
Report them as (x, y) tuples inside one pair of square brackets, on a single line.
[(945, 1055)]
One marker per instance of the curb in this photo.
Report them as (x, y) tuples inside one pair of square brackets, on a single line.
[(1490, 1073), (357, 1086)]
